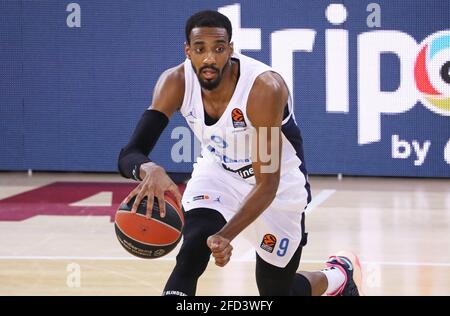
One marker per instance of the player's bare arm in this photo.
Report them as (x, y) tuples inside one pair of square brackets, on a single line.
[(167, 99), (169, 91), (265, 110)]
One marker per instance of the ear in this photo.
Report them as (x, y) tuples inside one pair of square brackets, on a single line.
[(187, 51), (231, 48)]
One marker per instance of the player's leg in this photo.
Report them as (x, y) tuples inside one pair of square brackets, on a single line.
[(275, 281), (342, 277), (193, 258), (309, 284), (335, 279), (278, 257), (339, 278), (207, 201)]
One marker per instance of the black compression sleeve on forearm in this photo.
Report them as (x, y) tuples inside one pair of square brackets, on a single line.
[(144, 138)]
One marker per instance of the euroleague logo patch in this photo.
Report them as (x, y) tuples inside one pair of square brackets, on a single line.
[(268, 243), (238, 118)]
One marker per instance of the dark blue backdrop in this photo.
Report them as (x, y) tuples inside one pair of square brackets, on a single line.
[(70, 96)]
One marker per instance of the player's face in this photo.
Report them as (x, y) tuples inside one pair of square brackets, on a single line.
[(209, 51)]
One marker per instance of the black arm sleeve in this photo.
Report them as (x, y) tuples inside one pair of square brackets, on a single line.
[(144, 138)]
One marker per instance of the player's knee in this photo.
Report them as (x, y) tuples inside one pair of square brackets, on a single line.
[(194, 253), (201, 223), (193, 256)]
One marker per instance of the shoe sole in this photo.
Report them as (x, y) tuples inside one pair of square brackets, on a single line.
[(357, 270)]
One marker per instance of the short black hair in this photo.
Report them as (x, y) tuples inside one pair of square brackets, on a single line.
[(208, 18)]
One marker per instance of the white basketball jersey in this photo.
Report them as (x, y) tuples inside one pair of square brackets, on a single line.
[(228, 141)]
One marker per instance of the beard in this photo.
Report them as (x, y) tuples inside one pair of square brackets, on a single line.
[(209, 84)]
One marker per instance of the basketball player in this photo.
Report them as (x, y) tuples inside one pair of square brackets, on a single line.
[(226, 99)]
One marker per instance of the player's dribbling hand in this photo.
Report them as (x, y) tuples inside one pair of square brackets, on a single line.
[(221, 249), (153, 185)]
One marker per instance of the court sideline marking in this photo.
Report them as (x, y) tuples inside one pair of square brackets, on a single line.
[(381, 263)]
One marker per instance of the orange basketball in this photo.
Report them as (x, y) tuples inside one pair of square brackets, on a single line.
[(149, 238)]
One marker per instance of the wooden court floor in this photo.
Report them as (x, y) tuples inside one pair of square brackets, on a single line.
[(57, 238)]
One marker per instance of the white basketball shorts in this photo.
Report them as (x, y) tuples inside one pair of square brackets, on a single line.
[(277, 232)]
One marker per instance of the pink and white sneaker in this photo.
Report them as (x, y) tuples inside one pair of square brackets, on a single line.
[(349, 264)]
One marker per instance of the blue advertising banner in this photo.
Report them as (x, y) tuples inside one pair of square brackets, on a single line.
[(371, 79)]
